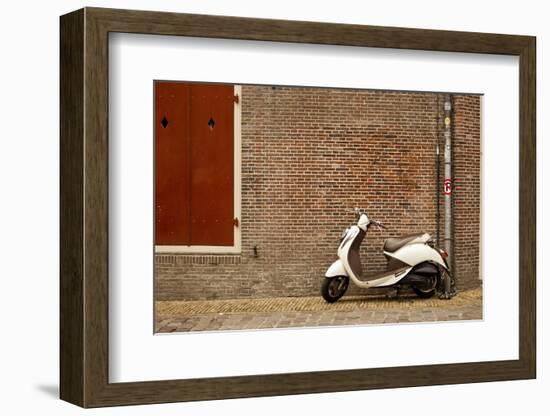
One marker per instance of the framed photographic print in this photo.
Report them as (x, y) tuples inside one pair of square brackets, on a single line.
[(255, 207)]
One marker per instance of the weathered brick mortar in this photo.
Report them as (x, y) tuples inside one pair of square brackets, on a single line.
[(309, 155)]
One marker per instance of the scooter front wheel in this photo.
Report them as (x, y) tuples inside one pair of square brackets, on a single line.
[(333, 288)]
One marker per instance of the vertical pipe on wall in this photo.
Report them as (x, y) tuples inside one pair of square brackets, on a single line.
[(437, 169), (447, 239)]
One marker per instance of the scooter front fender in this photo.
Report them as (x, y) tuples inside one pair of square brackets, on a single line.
[(336, 269)]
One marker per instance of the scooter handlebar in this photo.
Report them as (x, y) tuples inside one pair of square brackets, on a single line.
[(358, 211), (378, 224)]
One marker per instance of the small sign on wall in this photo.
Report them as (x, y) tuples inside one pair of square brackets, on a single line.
[(447, 186)]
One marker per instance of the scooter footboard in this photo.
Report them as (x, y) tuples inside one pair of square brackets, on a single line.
[(336, 269)]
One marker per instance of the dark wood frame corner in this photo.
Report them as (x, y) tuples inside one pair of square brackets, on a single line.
[(84, 207)]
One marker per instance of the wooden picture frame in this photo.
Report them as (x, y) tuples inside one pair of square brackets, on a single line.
[(84, 207)]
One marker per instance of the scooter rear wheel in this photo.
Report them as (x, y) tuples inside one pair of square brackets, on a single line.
[(333, 288), (424, 294)]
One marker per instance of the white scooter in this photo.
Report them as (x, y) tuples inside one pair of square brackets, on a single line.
[(413, 261)]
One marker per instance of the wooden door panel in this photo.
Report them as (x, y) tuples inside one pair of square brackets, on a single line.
[(194, 161), (211, 135), (172, 210)]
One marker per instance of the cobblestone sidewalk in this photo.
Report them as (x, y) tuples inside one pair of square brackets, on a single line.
[(235, 314)]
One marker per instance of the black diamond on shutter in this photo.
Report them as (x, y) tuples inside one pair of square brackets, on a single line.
[(211, 123)]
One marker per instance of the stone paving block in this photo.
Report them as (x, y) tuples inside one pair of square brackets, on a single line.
[(311, 312)]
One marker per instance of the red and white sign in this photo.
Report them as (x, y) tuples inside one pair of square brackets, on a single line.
[(447, 186)]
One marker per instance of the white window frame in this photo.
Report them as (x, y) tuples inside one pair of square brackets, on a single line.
[(236, 247)]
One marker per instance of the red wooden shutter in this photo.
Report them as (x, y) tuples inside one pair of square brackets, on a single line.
[(172, 210), (194, 164), (211, 137)]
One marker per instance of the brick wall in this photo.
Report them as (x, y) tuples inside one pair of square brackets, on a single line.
[(466, 209), (309, 155)]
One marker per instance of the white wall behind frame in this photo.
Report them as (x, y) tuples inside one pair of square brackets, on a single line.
[(30, 154)]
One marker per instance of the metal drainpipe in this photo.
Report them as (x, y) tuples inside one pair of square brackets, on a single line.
[(447, 191), (438, 171)]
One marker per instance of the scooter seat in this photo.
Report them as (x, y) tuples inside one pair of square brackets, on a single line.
[(394, 244)]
